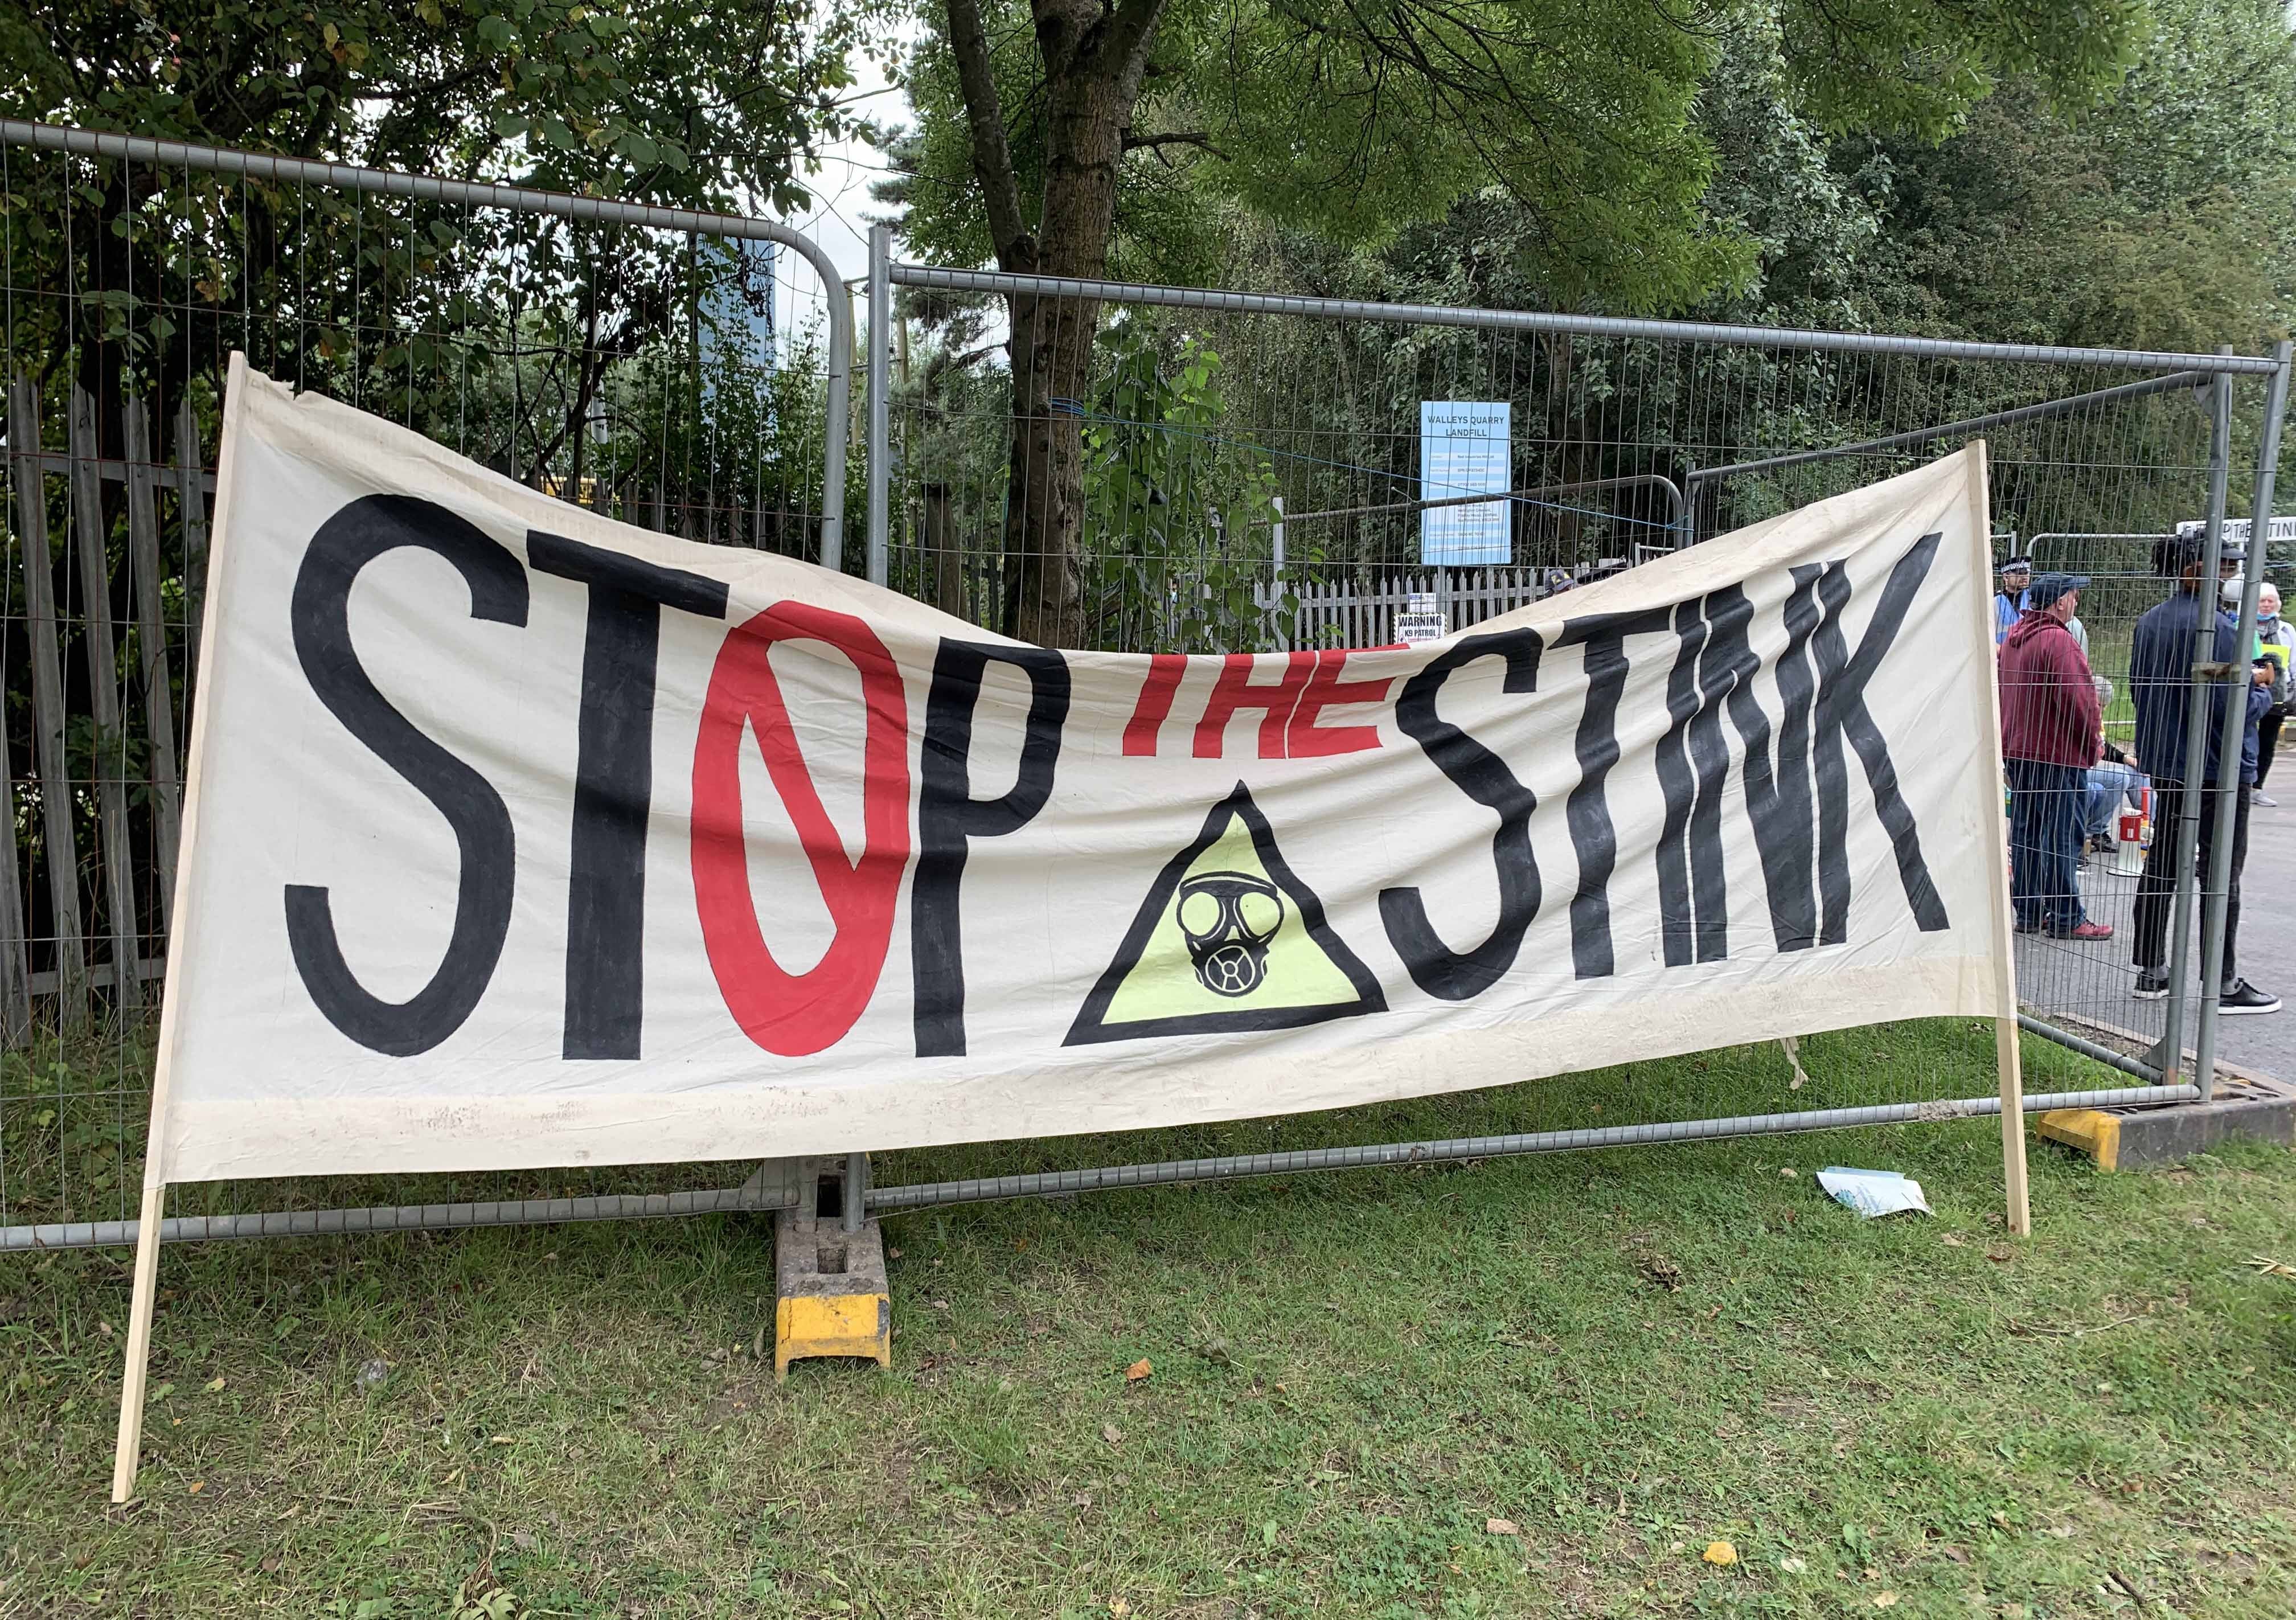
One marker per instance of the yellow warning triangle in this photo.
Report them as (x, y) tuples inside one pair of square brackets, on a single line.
[(1228, 938)]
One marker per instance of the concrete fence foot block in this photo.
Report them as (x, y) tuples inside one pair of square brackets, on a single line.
[(2250, 1109), (832, 1297)]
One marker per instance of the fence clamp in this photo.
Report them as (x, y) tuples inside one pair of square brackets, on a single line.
[(831, 1295)]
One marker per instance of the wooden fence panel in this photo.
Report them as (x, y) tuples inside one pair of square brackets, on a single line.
[(15, 948), (151, 644), (60, 847), (107, 758), (1338, 613), (191, 512)]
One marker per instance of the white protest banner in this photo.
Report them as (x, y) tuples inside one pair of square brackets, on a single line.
[(517, 837)]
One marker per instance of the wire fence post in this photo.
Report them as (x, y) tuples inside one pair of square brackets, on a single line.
[(880, 445), (2171, 1052), (879, 474), (838, 427), (837, 430), (15, 946), (854, 1210), (2231, 806)]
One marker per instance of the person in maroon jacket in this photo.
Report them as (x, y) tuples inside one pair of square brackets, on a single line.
[(2049, 732)]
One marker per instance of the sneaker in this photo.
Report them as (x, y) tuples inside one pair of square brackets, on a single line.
[(2086, 930), (2241, 996), (2152, 985), (2024, 926), (2266, 800)]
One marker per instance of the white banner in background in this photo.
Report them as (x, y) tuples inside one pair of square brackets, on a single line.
[(517, 837)]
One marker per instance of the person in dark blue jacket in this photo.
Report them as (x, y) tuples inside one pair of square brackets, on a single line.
[(2013, 597), (2160, 662)]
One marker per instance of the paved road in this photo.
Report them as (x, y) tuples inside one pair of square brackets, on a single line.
[(2093, 981), (2268, 938)]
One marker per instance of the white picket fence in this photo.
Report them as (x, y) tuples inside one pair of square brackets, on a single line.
[(1344, 613)]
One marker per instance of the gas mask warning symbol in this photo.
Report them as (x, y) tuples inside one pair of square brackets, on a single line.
[(1228, 919), (1227, 940)]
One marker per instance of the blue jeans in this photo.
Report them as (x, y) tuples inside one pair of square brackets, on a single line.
[(2046, 804), (2109, 785)]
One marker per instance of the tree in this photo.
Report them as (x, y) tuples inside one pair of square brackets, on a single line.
[(667, 101), (2161, 218), (505, 333), (1359, 120)]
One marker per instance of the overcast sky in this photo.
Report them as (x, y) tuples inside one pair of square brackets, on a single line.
[(838, 219)]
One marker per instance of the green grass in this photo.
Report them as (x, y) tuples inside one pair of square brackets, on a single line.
[(1353, 1374)]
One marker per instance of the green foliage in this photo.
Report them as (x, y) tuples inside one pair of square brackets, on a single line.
[(1358, 122), (70, 1157), (666, 101), (1918, 66), (511, 335), (2159, 220), (1591, 123), (1177, 512), (2158, 217), (1779, 182), (719, 449), (1567, 142)]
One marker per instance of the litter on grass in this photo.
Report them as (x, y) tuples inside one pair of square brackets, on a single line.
[(1873, 1192)]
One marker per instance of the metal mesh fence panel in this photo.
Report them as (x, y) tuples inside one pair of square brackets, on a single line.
[(1205, 471), (682, 371), (2095, 841), (1235, 473)]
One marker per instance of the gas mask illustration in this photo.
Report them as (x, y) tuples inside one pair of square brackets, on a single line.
[(1228, 919)]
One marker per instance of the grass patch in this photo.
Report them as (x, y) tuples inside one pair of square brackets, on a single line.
[(1626, 1355)]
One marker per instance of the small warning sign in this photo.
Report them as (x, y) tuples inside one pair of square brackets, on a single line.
[(1227, 938), (1422, 619)]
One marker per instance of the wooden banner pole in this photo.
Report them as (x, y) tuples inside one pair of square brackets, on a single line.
[(171, 999), (2012, 1113), (2007, 1057), (139, 1342)]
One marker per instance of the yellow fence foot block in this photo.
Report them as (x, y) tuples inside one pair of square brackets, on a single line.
[(2085, 1131), (833, 1298)]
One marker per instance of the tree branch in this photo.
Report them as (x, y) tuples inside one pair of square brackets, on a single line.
[(1193, 137), (1128, 30), (938, 368), (992, 153)]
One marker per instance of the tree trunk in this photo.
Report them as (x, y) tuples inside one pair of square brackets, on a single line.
[(1091, 93), (948, 553), (1044, 509), (1093, 53)]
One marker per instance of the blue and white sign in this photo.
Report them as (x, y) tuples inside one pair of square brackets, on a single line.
[(1464, 449)]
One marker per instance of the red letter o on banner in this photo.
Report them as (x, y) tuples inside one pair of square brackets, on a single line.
[(793, 1015)]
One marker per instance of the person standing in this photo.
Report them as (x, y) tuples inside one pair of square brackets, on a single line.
[(2274, 641), (2050, 728), (2009, 601), (2160, 686)]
